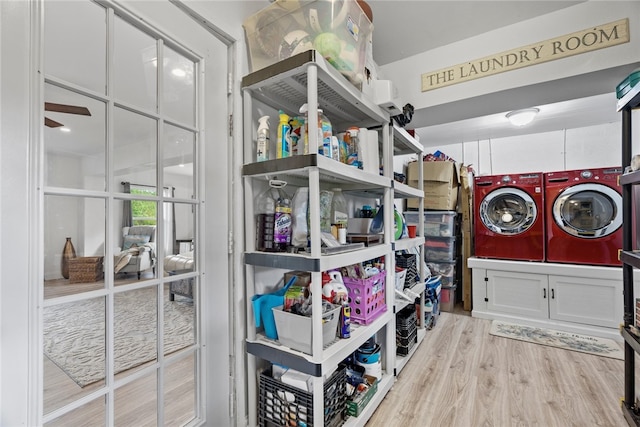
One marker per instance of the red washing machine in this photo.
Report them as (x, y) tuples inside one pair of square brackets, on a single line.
[(584, 216), (509, 219)]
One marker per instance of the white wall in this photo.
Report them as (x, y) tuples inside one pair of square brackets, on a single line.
[(406, 73), (587, 147)]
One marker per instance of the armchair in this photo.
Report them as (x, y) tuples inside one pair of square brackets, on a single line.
[(138, 250)]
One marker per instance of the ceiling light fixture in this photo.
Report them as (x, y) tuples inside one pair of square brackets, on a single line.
[(522, 117), (65, 129)]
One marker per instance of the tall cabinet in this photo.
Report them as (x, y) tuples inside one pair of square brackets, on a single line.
[(630, 258), (286, 85)]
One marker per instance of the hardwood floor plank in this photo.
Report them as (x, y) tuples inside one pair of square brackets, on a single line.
[(461, 376)]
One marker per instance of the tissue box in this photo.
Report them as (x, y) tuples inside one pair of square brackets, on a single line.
[(338, 29)]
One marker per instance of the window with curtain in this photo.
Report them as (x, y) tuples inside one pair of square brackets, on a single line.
[(143, 212)]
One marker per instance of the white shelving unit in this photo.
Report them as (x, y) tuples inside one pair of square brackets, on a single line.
[(403, 143), (308, 78)]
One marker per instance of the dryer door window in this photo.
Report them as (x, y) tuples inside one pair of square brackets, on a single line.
[(588, 211), (508, 211)]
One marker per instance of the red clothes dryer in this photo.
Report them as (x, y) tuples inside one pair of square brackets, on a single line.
[(509, 219), (584, 216)]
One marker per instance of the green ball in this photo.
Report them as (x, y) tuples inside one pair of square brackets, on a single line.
[(328, 45)]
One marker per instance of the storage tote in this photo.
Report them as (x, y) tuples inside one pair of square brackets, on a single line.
[(366, 297), (338, 30), (446, 270), (295, 331), (282, 404), (440, 249)]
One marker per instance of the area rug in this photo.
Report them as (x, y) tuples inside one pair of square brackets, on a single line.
[(74, 333), (566, 340)]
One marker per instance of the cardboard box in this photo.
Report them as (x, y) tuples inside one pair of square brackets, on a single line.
[(441, 182), (465, 202)]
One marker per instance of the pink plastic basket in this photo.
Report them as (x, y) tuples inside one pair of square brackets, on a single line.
[(366, 297)]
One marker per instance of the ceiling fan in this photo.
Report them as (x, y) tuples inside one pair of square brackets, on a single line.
[(62, 108)]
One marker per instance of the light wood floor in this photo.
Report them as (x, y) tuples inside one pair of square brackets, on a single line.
[(462, 376)]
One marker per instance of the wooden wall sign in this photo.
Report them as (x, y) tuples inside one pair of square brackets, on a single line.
[(602, 36)]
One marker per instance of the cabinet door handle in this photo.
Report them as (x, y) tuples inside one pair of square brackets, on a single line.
[(553, 293), (544, 293)]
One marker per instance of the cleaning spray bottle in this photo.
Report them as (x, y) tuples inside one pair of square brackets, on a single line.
[(284, 136), (263, 145)]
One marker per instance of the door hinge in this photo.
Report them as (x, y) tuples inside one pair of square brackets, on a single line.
[(229, 84), (230, 124), (230, 243)]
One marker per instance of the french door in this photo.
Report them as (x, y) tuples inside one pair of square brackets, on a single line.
[(122, 180)]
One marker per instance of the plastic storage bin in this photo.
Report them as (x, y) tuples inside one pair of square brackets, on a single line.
[(436, 223), (448, 298), (406, 330), (409, 263), (294, 330), (446, 271), (366, 297), (338, 29), (282, 404), (440, 249)]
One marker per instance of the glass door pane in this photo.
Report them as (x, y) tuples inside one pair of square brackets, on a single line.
[(178, 165), (135, 145), (75, 40), (179, 88), (136, 66), (74, 140), (76, 224), (74, 351)]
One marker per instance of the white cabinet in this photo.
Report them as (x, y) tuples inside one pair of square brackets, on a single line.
[(582, 299), (565, 298), (520, 294), (585, 300), (308, 78)]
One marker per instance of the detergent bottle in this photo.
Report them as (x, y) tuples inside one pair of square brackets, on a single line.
[(284, 136), (341, 297), (282, 222)]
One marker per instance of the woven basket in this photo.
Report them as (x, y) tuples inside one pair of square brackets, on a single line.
[(85, 269)]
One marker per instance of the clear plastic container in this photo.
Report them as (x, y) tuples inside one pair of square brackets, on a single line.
[(339, 210)]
